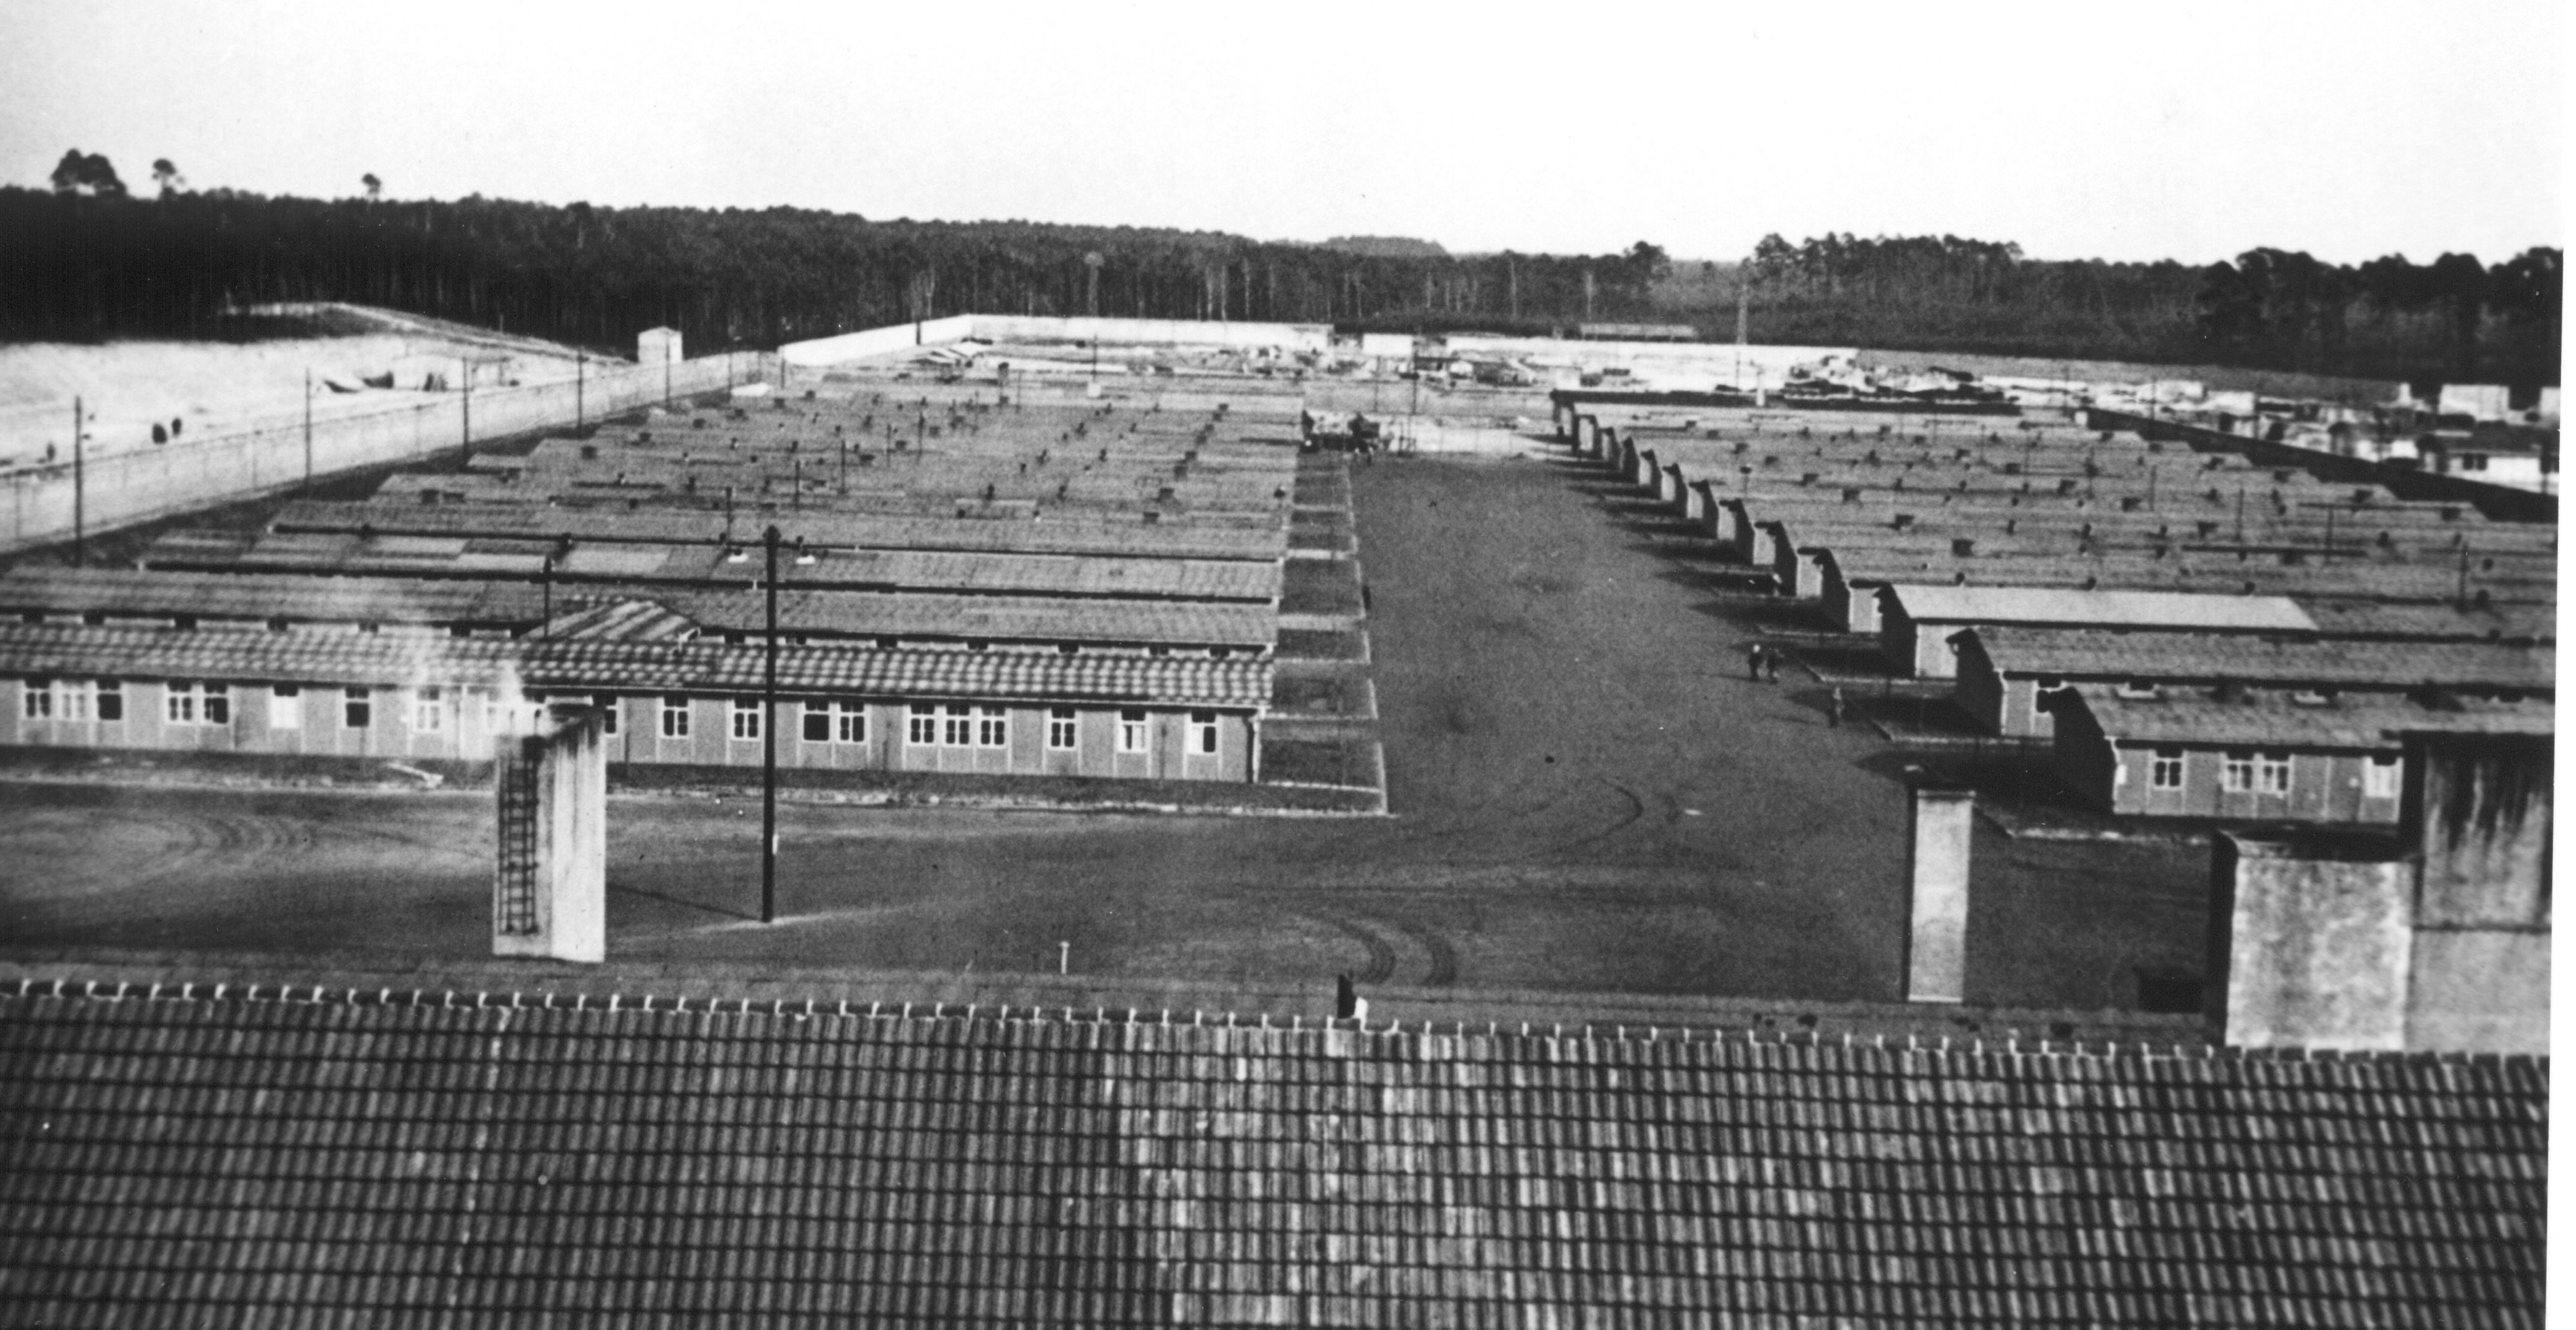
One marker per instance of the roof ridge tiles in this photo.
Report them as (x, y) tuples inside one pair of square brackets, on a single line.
[(1591, 1044)]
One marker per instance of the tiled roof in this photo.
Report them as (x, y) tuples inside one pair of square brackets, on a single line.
[(2176, 657), (2357, 721), (2142, 609), (626, 666), (399, 1159)]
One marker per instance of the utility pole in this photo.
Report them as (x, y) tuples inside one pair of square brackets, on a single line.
[(578, 361), (308, 425), (467, 367), (1743, 316), (769, 743), (81, 496)]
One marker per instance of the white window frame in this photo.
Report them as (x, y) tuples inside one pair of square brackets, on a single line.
[(286, 706), (1203, 733), (178, 703), (813, 714), (428, 710), (218, 703), (36, 699), (921, 725), (2272, 773), (675, 710), (72, 699), (992, 727), (956, 725), (2382, 776), (850, 722), (745, 719), (1133, 727), (1064, 726), (2236, 771), (111, 699), (360, 702), (2162, 762)]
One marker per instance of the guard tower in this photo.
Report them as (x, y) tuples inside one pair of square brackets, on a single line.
[(550, 876)]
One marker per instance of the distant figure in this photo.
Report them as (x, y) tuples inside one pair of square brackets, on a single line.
[(1834, 709), (1771, 665), (1753, 662)]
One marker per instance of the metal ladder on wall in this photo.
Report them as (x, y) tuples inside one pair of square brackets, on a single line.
[(514, 908)]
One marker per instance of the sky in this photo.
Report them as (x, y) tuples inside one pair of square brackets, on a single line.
[(2119, 131)]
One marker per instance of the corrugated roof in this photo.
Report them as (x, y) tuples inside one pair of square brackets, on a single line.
[(2189, 656), (2360, 721), (2142, 609), (405, 1158), (699, 666)]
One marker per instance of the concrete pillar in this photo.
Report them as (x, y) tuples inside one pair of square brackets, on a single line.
[(1647, 472), (1697, 504), (2310, 939), (550, 877), (2478, 813), (1937, 839)]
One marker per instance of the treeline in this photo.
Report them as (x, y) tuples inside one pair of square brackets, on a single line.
[(2452, 319), (86, 260), (79, 264)]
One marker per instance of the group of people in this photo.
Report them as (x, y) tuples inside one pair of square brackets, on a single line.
[(1762, 665)]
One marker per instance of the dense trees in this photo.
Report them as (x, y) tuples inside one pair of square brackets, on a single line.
[(82, 263), (87, 260), (2389, 318)]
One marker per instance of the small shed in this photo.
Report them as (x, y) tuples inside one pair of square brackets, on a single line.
[(658, 346)]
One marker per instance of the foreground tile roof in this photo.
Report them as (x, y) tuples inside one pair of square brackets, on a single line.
[(396, 1158), (700, 666)]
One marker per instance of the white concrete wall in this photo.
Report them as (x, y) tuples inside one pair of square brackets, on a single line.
[(201, 472), (890, 340), (1028, 328)]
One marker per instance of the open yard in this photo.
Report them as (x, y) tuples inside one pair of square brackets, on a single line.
[(1587, 796)]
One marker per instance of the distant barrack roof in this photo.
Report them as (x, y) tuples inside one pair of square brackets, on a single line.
[(598, 560), (618, 665), (1048, 535)]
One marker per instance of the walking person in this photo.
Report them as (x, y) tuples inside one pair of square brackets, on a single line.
[(1834, 708)]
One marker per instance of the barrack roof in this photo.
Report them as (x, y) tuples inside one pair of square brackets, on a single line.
[(1052, 535), (2058, 605), (698, 666), (2074, 653), (2365, 721), (472, 1158)]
